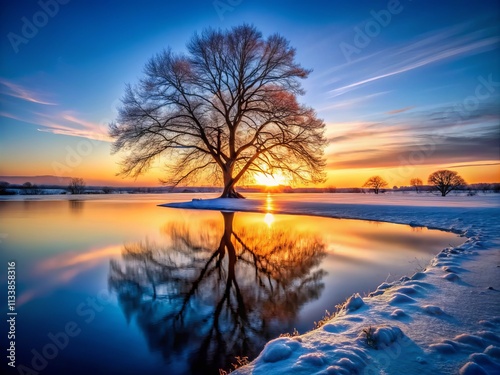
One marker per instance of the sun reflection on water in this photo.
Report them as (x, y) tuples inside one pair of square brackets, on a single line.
[(269, 203), (269, 217)]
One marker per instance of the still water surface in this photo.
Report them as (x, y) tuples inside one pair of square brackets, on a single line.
[(126, 287)]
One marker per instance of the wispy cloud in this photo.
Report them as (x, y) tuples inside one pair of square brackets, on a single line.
[(325, 76), (12, 116), (419, 137), (400, 110), (430, 49), (472, 165), (352, 103), (17, 91), (49, 118), (450, 149), (62, 268), (64, 123)]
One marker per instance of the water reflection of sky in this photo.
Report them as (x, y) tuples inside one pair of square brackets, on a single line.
[(175, 280)]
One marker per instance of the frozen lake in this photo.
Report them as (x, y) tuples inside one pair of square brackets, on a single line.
[(136, 288)]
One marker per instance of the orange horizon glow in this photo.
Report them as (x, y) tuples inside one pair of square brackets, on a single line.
[(100, 169), (341, 178)]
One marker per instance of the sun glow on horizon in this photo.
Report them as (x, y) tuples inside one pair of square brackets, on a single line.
[(269, 217), (269, 179)]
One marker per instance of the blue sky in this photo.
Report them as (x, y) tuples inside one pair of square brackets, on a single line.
[(404, 87)]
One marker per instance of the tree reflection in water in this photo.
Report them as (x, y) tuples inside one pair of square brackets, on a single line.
[(216, 291)]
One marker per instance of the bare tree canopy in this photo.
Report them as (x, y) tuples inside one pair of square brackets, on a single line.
[(416, 182), (31, 189), (445, 181), (223, 111), (76, 185), (375, 183)]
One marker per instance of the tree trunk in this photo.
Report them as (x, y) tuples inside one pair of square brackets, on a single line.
[(229, 191), (232, 282)]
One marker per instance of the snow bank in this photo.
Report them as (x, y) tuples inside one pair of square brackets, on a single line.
[(442, 320)]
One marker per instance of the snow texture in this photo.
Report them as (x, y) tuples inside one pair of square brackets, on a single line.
[(444, 319)]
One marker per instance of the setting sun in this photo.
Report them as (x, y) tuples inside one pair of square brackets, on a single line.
[(269, 180)]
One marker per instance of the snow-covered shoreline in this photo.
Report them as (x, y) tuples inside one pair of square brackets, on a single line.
[(443, 320)]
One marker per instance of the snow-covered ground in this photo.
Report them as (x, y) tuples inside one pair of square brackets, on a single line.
[(442, 320)]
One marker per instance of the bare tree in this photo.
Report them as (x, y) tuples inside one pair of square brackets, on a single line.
[(445, 181), (31, 189), (107, 190), (485, 187), (226, 109), (375, 183), (76, 185), (416, 182)]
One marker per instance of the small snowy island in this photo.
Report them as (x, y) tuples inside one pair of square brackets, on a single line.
[(444, 319)]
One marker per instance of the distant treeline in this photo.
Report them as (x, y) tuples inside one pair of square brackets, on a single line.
[(480, 187), (32, 189)]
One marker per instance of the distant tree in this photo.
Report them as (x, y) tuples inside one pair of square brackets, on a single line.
[(331, 189), (31, 189), (225, 109), (107, 190), (26, 188), (375, 183), (416, 182), (471, 192), (76, 186), (445, 181)]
